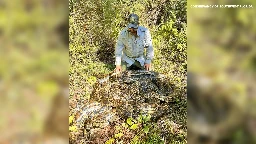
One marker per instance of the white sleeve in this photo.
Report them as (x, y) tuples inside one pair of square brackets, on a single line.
[(149, 47), (119, 50)]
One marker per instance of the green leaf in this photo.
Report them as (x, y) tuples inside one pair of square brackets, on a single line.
[(110, 141), (147, 118), (92, 79), (135, 139), (134, 126), (70, 119), (119, 135), (124, 125), (73, 128), (140, 119), (146, 129), (129, 121)]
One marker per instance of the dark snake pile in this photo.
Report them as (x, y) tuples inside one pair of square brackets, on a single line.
[(117, 97)]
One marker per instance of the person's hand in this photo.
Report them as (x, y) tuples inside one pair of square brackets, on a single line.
[(147, 67), (118, 69)]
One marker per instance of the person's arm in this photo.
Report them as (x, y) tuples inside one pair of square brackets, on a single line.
[(118, 53), (149, 50)]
